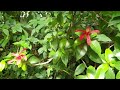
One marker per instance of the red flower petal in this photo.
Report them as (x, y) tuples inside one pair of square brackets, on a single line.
[(11, 61), (82, 36), (95, 31), (88, 39)]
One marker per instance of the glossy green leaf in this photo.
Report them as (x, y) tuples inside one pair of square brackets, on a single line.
[(103, 37), (41, 50), (117, 65), (91, 72), (80, 68), (108, 55), (94, 57), (24, 67), (113, 22), (110, 74), (118, 75), (118, 55), (95, 46), (49, 70), (33, 60), (100, 72), (80, 51), (118, 26), (64, 58), (6, 32), (2, 65), (5, 41)]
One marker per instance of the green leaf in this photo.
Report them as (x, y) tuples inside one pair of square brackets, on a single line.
[(113, 22), (60, 18), (33, 60), (100, 73), (48, 71), (94, 57), (81, 77), (80, 51), (24, 67), (23, 44), (95, 46), (33, 40), (80, 68), (6, 32), (2, 65), (110, 74), (16, 28), (62, 42), (118, 55), (117, 44), (103, 37), (64, 58), (91, 72), (77, 42), (117, 65), (118, 26), (118, 75), (5, 41), (54, 44), (40, 50), (108, 55)]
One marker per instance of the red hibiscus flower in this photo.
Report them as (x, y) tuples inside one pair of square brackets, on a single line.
[(18, 57), (86, 34)]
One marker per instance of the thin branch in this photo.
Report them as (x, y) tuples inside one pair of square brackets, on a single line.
[(100, 17), (49, 60), (84, 63)]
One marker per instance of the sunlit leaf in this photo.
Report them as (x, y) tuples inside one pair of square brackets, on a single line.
[(95, 46), (80, 51), (110, 74), (80, 68), (117, 65), (33, 60), (118, 75), (2, 65), (24, 67), (100, 72), (102, 37)]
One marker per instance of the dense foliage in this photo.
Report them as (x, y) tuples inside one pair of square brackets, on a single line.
[(59, 44)]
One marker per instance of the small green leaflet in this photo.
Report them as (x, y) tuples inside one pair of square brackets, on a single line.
[(80, 68)]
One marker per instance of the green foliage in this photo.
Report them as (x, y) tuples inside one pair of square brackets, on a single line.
[(54, 50)]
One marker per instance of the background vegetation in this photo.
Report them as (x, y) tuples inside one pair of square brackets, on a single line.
[(47, 45)]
